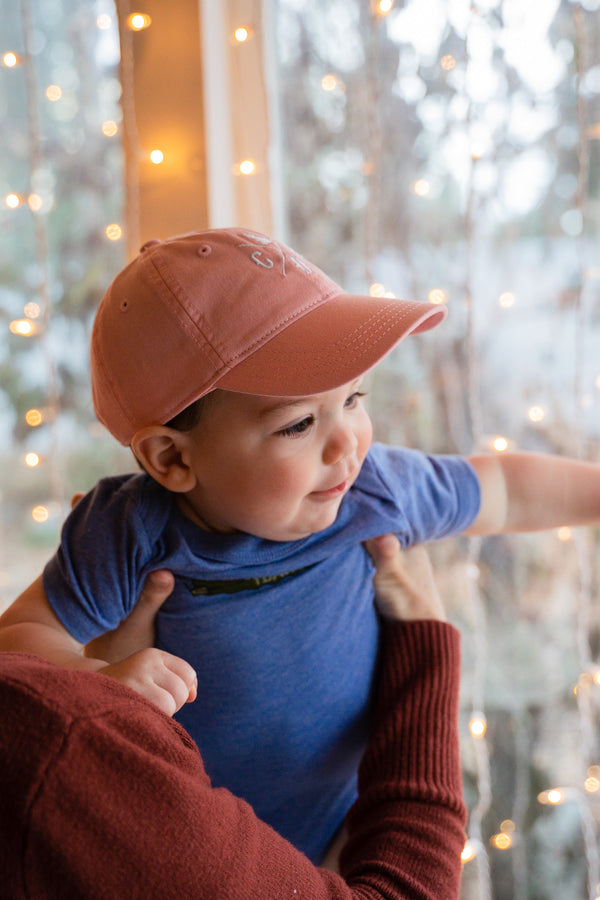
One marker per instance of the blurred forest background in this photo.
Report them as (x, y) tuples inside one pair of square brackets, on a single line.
[(439, 149)]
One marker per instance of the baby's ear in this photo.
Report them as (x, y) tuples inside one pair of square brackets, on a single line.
[(163, 453)]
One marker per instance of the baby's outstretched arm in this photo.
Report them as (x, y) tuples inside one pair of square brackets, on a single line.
[(31, 626), (533, 492)]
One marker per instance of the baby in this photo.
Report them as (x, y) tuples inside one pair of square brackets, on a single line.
[(233, 368)]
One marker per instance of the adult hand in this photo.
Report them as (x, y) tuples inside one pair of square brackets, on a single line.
[(404, 585)]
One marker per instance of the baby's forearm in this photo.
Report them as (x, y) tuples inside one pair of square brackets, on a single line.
[(48, 643), (533, 492)]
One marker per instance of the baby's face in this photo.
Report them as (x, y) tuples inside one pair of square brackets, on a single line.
[(276, 467)]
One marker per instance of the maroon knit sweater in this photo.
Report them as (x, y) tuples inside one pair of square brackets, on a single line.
[(103, 796)]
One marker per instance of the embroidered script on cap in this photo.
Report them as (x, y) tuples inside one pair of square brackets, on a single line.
[(267, 262)]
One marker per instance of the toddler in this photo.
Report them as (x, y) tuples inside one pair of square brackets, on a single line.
[(233, 368)]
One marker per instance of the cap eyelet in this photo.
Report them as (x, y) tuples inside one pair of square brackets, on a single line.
[(204, 250), (151, 243)]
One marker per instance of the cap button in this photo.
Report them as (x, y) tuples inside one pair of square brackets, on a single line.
[(151, 243)]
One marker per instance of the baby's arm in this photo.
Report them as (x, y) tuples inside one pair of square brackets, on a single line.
[(533, 492), (31, 626)]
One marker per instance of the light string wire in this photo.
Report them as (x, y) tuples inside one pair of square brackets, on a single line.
[(42, 253), (131, 134), (583, 542), (476, 605)]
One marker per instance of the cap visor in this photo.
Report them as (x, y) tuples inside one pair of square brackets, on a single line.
[(330, 346)]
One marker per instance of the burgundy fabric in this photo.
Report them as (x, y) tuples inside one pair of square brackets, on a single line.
[(104, 797)]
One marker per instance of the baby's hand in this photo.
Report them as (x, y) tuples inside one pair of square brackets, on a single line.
[(165, 680)]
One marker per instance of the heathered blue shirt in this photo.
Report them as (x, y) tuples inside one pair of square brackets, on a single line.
[(283, 635)]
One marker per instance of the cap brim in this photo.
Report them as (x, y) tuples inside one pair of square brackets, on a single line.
[(330, 346)]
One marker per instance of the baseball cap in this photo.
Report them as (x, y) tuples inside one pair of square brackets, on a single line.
[(234, 309)]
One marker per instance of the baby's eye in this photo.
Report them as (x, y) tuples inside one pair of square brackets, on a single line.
[(297, 428), (353, 399)]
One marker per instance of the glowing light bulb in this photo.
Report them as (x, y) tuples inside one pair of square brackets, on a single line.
[(109, 128), (478, 725), (32, 460), (34, 417), (103, 22), (501, 841), (10, 60), (468, 852), (329, 82), (23, 327), (53, 93), (506, 299), (247, 167), (592, 785), (241, 34), (157, 156), (563, 533), (499, 444), (32, 310), (553, 797), (448, 62), (12, 201), (34, 202), (113, 232), (377, 289), (421, 187), (507, 826), (40, 514), (138, 21), (384, 7), (535, 414), (437, 296)]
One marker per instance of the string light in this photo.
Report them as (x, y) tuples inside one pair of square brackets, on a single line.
[(40, 514), (10, 60), (22, 327), (478, 725), (448, 62), (329, 82), (383, 7), (53, 93), (113, 232), (137, 21), (535, 414), (34, 417), (246, 167), (437, 296), (109, 128), (499, 444), (103, 22), (32, 310), (506, 299), (13, 201), (421, 187), (32, 460), (377, 289), (468, 852), (564, 533), (241, 34), (157, 157)]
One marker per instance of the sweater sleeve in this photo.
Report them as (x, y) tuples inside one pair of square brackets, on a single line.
[(119, 803)]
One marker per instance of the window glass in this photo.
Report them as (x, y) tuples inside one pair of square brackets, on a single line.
[(448, 152), (61, 208)]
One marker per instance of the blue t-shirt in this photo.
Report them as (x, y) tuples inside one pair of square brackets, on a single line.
[(283, 635)]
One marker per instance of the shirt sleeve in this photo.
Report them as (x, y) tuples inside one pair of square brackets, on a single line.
[(94, 578), (436, 496), (124, 799)]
